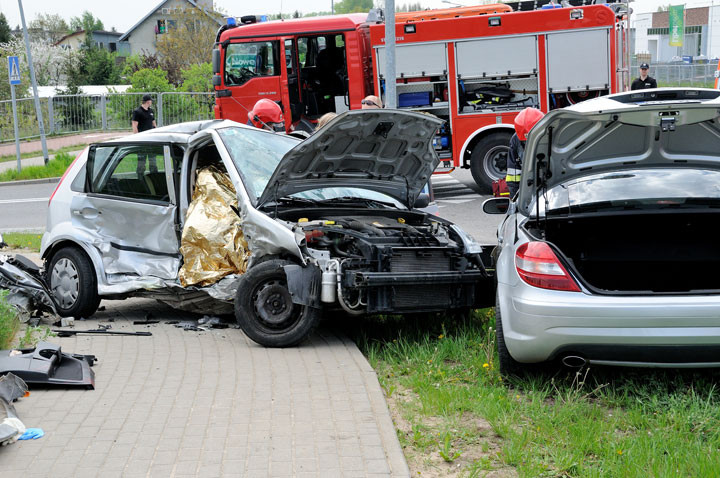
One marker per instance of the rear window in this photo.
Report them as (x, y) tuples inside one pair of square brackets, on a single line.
[(639, 189)]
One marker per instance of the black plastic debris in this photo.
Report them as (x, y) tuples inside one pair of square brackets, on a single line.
[(12, 387), (105, 331), (46, 364)]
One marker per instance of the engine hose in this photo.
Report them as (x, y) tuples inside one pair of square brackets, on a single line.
[(345, 307)]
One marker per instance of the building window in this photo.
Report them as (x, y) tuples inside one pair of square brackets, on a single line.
[(160, 28), (113, 46)]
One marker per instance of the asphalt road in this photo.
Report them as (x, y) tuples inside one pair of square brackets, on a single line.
[(24, 207)]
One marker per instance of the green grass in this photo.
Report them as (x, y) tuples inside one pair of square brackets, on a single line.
[(9, 323), (455, 414), (55, 168), (23, 240), (35, 154)]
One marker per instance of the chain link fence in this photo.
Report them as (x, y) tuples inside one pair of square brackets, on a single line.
[(64, 114), (700, 75)]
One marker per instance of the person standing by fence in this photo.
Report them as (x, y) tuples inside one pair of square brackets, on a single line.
[(143, 119), (644, 81)]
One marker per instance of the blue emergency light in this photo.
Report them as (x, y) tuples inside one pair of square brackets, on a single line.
[(231, 21)]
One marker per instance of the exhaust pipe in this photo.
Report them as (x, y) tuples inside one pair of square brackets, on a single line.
[(573, 361)]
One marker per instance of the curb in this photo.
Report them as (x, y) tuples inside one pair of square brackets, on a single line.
[(29, 181)]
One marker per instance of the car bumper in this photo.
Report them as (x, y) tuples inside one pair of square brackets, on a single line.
[(542, 325)]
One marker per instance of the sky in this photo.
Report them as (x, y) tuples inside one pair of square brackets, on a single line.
[(131, 11)]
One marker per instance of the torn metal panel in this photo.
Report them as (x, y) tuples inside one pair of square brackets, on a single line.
[(27, 290), (212, 245)]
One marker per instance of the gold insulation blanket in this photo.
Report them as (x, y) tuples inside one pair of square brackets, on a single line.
[(212, 243)]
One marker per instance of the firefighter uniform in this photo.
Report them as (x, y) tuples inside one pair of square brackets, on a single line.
[(524, 122)]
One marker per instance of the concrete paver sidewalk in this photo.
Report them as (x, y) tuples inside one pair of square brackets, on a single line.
[(212, 403)]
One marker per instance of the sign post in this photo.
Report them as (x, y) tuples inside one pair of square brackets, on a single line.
[(14, 77)]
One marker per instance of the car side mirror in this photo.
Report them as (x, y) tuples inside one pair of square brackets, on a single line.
[(216, 61), (496, 205), (216, 80), (423, 200)]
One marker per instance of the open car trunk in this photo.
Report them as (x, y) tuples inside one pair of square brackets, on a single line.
[(665, 252)]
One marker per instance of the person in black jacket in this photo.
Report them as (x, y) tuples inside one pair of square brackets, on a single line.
[(644, 81)]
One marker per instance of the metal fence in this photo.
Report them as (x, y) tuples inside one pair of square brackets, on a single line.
[(681, 74), (113, 111)]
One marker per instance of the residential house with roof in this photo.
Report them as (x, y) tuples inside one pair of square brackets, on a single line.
[(141, 38), (102, 39)]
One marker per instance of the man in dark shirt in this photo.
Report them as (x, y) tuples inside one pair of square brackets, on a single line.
[(644, 81), (143, 119)]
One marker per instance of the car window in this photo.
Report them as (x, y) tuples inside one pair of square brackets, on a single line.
[(256, 154), (244, 61), (135, 172)]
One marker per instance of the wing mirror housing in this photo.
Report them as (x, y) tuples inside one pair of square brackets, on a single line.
[(216, 80), (423, 200), (496, 206), (216, 61)]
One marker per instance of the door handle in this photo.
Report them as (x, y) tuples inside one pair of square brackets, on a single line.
[(87, 212)]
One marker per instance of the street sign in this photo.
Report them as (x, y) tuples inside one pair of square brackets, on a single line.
[(14, 70)]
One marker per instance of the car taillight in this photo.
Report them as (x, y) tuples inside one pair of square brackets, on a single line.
[(538, 265), (65, 174)]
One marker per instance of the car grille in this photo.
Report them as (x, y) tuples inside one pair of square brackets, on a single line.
[(422, 296), (420, 260)]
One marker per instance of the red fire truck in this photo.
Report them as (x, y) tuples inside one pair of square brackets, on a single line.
[(474, 68)]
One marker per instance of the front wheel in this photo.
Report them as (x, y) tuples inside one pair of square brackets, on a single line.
[(489, 159), (265, 311)]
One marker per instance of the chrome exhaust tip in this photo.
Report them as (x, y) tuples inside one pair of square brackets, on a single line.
[(573, 361)]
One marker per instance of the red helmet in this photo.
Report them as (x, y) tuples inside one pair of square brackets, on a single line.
[(525, 120), (268, 112)]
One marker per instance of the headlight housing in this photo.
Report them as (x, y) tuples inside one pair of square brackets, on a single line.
[(471, 245)]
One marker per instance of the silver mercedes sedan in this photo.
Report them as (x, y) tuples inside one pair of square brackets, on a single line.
[(610, 252)]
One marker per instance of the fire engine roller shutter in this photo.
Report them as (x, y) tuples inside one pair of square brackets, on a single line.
[(428, 59), (507, 56), (578, 60)]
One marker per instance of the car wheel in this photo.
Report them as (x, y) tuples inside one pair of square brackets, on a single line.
[(488, 161), (508, 365), (73, 283), (265, 311)]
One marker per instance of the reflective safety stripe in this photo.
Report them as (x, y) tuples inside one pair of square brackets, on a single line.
[(512, 179), (513, 171), (504, 194)]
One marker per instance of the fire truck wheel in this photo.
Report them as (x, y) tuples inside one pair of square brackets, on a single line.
[(488, 161)]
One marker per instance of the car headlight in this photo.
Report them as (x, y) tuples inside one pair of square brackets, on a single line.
[(471, 245)]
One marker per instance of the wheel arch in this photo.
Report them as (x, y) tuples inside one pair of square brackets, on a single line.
[(477, 136), (92, 254)]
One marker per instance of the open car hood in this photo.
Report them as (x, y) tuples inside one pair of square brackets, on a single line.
[(386, 151), (654, 128)]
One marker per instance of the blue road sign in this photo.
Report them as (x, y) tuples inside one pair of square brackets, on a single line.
[(14, 70)]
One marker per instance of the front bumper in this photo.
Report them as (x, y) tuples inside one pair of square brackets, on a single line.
[(542, 325)]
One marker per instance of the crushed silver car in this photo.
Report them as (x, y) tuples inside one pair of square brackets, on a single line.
[(208, 214)]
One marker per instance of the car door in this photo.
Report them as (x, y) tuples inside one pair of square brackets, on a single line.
[(129, 208)]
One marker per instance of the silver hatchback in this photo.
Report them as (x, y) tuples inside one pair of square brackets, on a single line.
[(610, 254)]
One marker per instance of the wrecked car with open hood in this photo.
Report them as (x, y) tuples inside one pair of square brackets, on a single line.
[(211, 214)]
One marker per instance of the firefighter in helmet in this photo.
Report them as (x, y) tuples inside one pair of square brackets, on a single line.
[(524, 122), (266, 114)]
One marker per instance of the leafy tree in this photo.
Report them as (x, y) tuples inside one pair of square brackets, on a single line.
[(87, 22), (48, 27), (100, 67), (150, 80), (197, 78), (5, 34), (188, 41), (353, 6), (137, 62)]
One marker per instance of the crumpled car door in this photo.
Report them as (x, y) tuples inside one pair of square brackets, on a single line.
[(129, 208)]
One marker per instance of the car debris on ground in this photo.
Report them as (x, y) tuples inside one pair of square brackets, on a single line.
[(46, 364), (12, 388)]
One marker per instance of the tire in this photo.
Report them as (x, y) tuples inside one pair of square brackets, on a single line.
[(73, 283), (488, 161), (264, 308), (509, 367)]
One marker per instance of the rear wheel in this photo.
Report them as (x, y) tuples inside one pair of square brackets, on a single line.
[(73, 283), (265, 311), (489, 158), (508, 365)]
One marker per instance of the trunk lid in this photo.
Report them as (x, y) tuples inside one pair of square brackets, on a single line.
[(646, 129), (386, 151)]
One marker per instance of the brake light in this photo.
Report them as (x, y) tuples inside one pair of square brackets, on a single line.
[(65, 174), (538, 265)]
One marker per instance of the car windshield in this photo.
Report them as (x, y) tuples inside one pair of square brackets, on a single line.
[(638, 189), (256, 154)]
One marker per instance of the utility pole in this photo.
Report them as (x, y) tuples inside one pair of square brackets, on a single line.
[(332, 7), (38, 111), (390, 77)]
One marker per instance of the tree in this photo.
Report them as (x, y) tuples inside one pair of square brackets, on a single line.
[(197, 78), (48, 27), (188, 41), (87, 22), (147, 80), (353, 6), (5, 34)]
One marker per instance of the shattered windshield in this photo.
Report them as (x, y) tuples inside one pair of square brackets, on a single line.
[(256, 154)]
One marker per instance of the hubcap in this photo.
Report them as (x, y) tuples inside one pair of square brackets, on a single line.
[(274, 306), (65, 283), (495, 162)]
